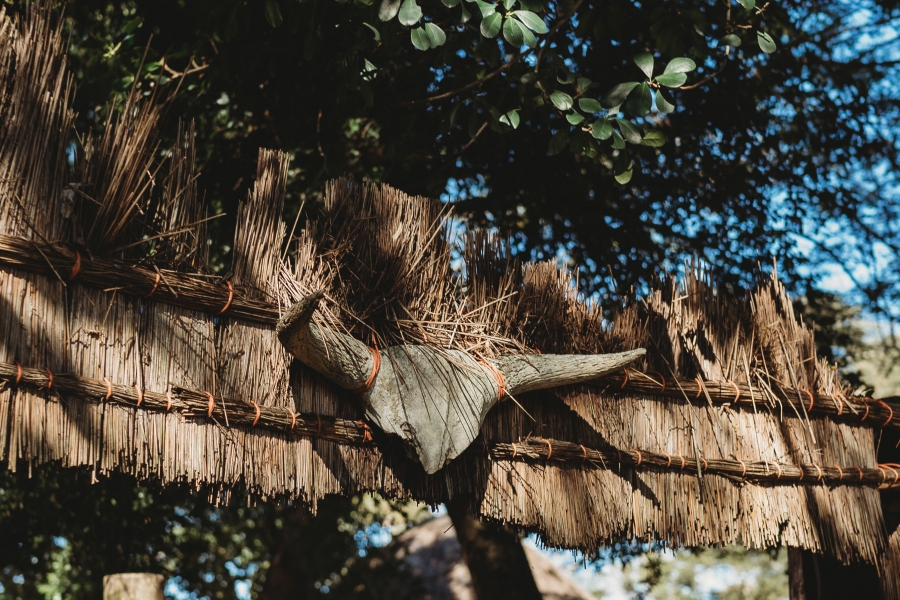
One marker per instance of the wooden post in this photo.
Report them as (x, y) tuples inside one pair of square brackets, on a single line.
[(133, 586)]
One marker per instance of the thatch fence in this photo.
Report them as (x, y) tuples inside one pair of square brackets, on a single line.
[(121, 352)]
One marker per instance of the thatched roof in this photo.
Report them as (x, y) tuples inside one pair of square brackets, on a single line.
[(125, 355)]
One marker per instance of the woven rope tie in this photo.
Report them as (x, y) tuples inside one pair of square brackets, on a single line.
[(376, 366)]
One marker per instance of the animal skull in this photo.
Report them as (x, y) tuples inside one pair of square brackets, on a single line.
[(434, 399)]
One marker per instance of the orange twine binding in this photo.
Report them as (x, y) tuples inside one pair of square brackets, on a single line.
[(860, 473), (819, 478), (367, 431), (624, 383), (168, 400), (318, 425), (108, 387), (583, 452), (811, 400), (211, 405), (498, 378), (376, 365), (49, 377), (514, 449), (839, 403), (866, 402), (737, 391), (638, 452), (258, 411), (840, 471), (743, 468), (76, 267), (18, 372), (549, 448), (293, 417), (699, 386), (889, 467), (155, 285), (140, 394), (682, 461), (663, 380), (230, 297), (669, 461), (890, 412)]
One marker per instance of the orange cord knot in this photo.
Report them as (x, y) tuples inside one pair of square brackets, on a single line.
[(366, 431), (376, 365)]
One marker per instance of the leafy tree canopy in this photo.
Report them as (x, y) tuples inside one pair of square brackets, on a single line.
[(626, 135)]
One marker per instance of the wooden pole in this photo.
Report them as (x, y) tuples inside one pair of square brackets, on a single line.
[(133, 586)]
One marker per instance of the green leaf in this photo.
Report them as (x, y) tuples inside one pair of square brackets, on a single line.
[(672, 80), (410, 13), (654, 139), (602, 129), (589, 105), (436, 35), (535, 6), (574, 118), (565, 78), (388, 9), (511, 118), (640, 101), (766, 43), (625, 176), (490, 26), (369, 70), (618, 142), (273, 13), (645, 63), (631, 133), (558, 142), (662, 104), (583, 83), (465, 16), (486, 9), (748, 4), (529, 77), (420, 38), (453, 115), (730, 40), (561, 100), (374, 31), (132, 25), (618, 94), (527, 36), (508, 4), (512, 33), (531, 21), (680, 65), (450, 3), (579, 142)]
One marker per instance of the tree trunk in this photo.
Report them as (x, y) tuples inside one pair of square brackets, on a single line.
[(133, 586), (495, 557), (818, 577)]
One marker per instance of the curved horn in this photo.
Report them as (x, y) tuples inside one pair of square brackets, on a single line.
[(526, 373), (341, 358)]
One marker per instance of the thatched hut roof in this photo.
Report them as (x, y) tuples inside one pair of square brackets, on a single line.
[(121, 353)]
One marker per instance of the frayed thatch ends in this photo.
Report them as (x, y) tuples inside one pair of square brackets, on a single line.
[(35, 118), (155, 367), (693, 331), (890, 582)]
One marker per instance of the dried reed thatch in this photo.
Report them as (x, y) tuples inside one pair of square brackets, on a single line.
[(120, 354)]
